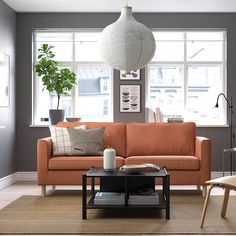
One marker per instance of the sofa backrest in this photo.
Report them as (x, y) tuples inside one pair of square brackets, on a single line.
[(114, 136), (160, 138)]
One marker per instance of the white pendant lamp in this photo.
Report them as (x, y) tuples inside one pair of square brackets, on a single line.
[(127, 45)]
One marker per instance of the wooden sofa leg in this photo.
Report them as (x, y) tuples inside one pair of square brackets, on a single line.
[(43, 190), (204, 190)]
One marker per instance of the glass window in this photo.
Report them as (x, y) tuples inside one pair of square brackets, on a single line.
[(91, 98), (188, 82)]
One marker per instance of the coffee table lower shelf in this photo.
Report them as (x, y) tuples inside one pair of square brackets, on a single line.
[(121, 182), (91, 205)]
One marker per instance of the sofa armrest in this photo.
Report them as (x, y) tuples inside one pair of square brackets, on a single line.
[(203, 152), (44, 152)]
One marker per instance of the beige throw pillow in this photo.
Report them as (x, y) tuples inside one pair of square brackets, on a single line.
[(87, 142), (61, 140)]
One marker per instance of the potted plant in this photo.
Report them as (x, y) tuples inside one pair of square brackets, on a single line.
[(60, 81)]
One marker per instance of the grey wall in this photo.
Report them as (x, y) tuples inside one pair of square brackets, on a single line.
[(7, 114), (27, 137)]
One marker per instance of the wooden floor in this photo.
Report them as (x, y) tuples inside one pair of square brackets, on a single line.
[(18, 189)]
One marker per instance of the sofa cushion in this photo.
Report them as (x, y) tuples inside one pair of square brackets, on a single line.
[(161, 139), (61, 140), (79, 163), (87, 142), (114, 136), (171, 162)]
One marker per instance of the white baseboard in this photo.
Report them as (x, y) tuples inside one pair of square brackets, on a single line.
[(32, 177), (17, 176), (7, 181), (26, 176)]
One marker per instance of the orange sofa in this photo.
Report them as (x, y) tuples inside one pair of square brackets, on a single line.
[(175, 145)]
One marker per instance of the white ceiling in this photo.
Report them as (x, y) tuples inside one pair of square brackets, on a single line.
[(115, 5)]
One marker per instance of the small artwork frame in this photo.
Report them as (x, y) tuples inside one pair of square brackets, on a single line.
[(135, 76), (130, 98), (4, 80)]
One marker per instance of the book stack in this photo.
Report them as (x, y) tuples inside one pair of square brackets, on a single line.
[(109, 198), (150, 199)]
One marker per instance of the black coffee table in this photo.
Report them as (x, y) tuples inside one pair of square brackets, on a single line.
[(119, 181)]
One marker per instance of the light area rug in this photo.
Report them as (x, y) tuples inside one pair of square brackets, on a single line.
[(60, 213)]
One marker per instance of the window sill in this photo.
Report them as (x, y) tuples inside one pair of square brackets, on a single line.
[(198, 126), (39, 126)]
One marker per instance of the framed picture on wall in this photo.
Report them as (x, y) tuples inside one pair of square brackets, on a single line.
[(130, 98), (134, 76), (4, 79)]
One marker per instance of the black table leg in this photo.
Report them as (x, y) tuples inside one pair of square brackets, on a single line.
[(167, 195), (84, 197), (92, 186)]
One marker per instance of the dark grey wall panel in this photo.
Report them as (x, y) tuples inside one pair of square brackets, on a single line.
[(26, 146), (7, 114)]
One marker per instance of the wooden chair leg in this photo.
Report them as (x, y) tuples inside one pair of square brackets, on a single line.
[(225, 202), (205, 204), (43, 190)]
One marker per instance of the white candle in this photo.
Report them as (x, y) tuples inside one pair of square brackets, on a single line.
[(109, 159)]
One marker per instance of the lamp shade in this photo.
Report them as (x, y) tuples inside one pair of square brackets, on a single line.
[(127, 45)]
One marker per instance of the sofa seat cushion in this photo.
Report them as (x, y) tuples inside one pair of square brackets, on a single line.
[(79, 162), (171, 162)]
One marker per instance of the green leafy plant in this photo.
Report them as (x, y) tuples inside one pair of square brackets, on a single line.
[(60, 81)]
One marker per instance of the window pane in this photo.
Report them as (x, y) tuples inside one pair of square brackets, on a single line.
[(204, 84), (94, 93), (169, 51), (48, 101), (166, 89), (87, 51), (63, 50), (54, 37), (204, 51), (169, 35), (87, 46), (205, 36)]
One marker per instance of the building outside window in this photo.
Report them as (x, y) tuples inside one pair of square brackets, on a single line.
[(91, 98), (187, 73)]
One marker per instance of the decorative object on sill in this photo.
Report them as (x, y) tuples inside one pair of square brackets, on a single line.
[(159, 115), (175, 119), (44, 119), (131, 76), (232, 136), (55, 80), (127, 45), (109, 159), (129, 98), (4, 79), (73, 119)]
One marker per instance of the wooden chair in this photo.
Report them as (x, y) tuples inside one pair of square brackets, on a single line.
[(227, 183)]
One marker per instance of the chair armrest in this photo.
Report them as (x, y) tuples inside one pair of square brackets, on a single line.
[(203, 152), (44, 152)]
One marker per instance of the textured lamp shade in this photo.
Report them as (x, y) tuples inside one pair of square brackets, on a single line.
[(127, 45)]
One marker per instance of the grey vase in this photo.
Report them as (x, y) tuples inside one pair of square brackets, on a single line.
[(56, 116)]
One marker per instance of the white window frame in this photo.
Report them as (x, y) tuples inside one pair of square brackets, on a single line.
[(73, 65), (185, 64)]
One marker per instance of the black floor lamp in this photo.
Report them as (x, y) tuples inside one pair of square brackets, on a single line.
[(230, 106)]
